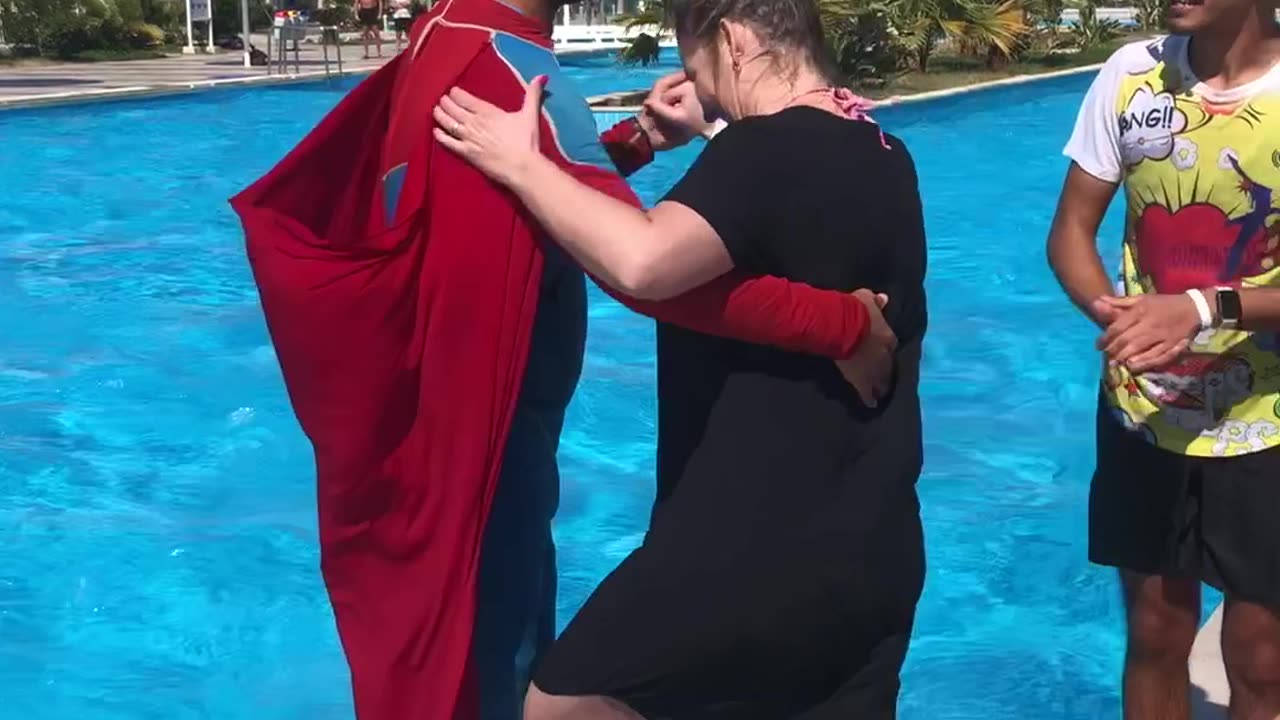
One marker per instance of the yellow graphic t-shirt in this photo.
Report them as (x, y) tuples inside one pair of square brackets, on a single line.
[(1200, 168)]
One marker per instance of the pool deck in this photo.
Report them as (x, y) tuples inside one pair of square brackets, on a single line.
[(1210, 693), (52, 83), (56, 83)]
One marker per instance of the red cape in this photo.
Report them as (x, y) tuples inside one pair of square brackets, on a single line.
[(403, 344)]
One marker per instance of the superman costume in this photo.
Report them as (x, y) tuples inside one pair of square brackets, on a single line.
[(430, 341)]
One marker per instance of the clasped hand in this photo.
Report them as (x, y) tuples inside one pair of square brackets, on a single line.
[(870, 368), (1146, 332)]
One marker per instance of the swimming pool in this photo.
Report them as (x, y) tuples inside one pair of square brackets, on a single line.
[(156, 498), (600, 74)]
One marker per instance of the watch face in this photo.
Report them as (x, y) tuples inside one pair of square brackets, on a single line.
[(1229, 307)]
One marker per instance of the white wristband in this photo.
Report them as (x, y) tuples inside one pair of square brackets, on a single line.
[(1202, 308)]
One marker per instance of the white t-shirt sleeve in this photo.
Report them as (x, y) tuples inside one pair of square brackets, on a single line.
[(1095, 142)]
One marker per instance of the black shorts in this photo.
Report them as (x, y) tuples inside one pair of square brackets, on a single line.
[(402, 25), (369, 17), (1157, 512)]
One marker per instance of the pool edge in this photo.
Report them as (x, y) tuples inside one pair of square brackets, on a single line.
[(78, 97), (159, 89), (899, 99)]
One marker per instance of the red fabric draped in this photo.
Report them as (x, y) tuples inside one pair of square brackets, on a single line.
[(403, 344)]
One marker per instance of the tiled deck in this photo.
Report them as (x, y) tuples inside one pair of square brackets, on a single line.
[(23, 85)]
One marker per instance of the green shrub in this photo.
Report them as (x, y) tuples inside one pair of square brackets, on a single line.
[(32, 25), (129, 11), (175, 36), (1150, 14), (863, 44), (142, 36), (1090, 31), (100, 9), (68, 37)]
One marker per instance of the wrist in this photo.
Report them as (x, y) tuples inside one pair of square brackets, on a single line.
[(645, 142), (1094, 308), (644, 123), (629, 145), (1202, 307), (525, 171), (1215, 309)]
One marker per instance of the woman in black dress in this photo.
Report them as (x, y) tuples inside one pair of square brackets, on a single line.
[(781, 571)]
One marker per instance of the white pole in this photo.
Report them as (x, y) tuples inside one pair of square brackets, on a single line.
[(209, 29), (244, 18), (191, 49)]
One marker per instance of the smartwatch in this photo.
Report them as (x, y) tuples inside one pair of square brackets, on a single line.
[(1229, 308)]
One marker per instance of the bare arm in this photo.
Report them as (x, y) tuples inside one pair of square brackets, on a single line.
[(651, 255), (647, 255), (1073, 239)]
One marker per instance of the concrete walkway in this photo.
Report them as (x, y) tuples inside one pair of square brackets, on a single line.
[(1210, 693), (32, 84)]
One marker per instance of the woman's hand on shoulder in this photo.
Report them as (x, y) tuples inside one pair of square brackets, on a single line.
[(870, 368), (501, 144)]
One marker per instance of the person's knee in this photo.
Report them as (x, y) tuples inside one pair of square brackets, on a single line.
[(1251, 646), (1156, 634), (1162, 626), (1256, 663)]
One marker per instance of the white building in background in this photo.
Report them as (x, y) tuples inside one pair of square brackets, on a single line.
[(597, 12), (594, 26)]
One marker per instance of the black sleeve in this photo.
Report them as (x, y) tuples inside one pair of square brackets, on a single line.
[(728, 186)]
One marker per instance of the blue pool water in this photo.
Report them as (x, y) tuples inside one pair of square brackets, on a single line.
[(600, 74), (156, 498)]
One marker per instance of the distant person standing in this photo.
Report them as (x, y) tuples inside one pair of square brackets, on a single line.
[(1188, 430), (401, 19), (369, 14)]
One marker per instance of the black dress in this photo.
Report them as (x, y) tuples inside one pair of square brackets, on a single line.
[(781, 571)]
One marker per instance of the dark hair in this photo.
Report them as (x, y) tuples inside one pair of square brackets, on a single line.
[(792, 26)]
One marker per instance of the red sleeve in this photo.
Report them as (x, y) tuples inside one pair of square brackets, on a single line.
[(628, 146), (763, 310)]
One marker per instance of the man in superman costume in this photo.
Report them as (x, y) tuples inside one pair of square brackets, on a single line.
[(430, 342)]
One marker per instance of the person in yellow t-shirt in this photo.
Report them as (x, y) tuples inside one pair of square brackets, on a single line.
[(1187, 482)]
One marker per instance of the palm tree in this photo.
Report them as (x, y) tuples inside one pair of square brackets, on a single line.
[(861, 39), (996, 28), (653, 17), (922, 24), (651, 14), (644, 49)]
